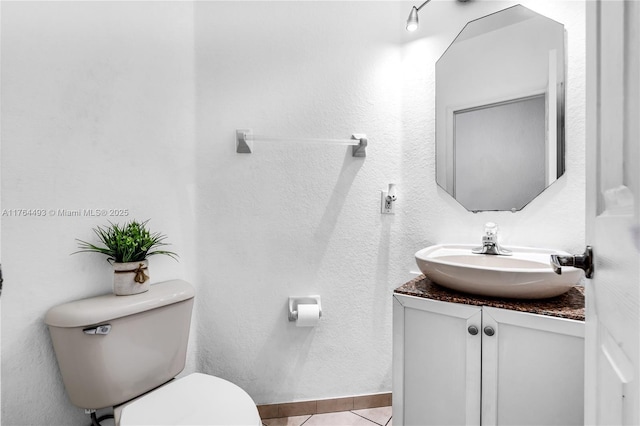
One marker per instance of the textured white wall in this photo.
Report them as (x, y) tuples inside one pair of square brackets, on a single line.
[(294, 218), (97, 112), (95, 95)]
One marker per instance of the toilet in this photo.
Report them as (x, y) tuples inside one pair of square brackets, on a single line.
[(125, 351)]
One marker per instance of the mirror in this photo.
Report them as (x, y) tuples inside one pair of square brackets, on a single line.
[(500, 110)]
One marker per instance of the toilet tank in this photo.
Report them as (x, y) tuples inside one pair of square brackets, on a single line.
[(111, 349)]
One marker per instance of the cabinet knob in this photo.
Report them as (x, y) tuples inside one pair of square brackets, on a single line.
[(473, 330), (489, 331)]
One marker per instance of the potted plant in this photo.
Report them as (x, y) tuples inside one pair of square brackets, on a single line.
[(127, 248)]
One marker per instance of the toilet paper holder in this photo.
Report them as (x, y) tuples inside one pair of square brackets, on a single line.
[(304, 300)]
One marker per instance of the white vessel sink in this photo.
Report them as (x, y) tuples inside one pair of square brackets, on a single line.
[(526, 274)]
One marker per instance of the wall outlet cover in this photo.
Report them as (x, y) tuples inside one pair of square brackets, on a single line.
[(386, 207)]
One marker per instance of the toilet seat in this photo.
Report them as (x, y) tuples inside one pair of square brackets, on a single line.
[(197, 399)]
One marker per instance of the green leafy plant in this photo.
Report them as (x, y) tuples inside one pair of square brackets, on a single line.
[(131, 242)]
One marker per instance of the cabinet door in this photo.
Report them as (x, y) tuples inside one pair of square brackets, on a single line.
[(533, 369), (436, 362)]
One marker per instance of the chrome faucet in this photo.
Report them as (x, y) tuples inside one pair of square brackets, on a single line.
[(490, 242)]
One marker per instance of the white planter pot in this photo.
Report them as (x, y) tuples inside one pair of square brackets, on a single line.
[(130, 278)]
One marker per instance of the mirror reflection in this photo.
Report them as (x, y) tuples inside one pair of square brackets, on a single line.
[(500, 110)]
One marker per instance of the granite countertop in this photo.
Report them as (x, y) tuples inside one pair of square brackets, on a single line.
[(569, 305)]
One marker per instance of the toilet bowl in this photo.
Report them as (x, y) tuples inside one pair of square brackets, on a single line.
[(196, 399), (125, 351)]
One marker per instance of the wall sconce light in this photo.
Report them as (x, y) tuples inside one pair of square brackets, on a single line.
[(412, 20)]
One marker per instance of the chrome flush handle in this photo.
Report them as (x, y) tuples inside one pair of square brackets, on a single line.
[(582, 261)]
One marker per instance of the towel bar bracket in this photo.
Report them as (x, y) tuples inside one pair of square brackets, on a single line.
[(359, 150), (243, 144)]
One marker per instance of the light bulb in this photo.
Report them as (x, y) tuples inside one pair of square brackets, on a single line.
[(412, 20)]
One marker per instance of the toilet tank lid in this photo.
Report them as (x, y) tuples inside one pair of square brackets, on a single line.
[(96, 310)]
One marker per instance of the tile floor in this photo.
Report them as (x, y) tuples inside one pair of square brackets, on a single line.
[(380, 416)]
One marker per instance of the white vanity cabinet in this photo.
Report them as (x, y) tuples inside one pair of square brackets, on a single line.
[(459, 364)]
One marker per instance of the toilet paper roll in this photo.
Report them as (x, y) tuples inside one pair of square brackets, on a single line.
[(308, 315)]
